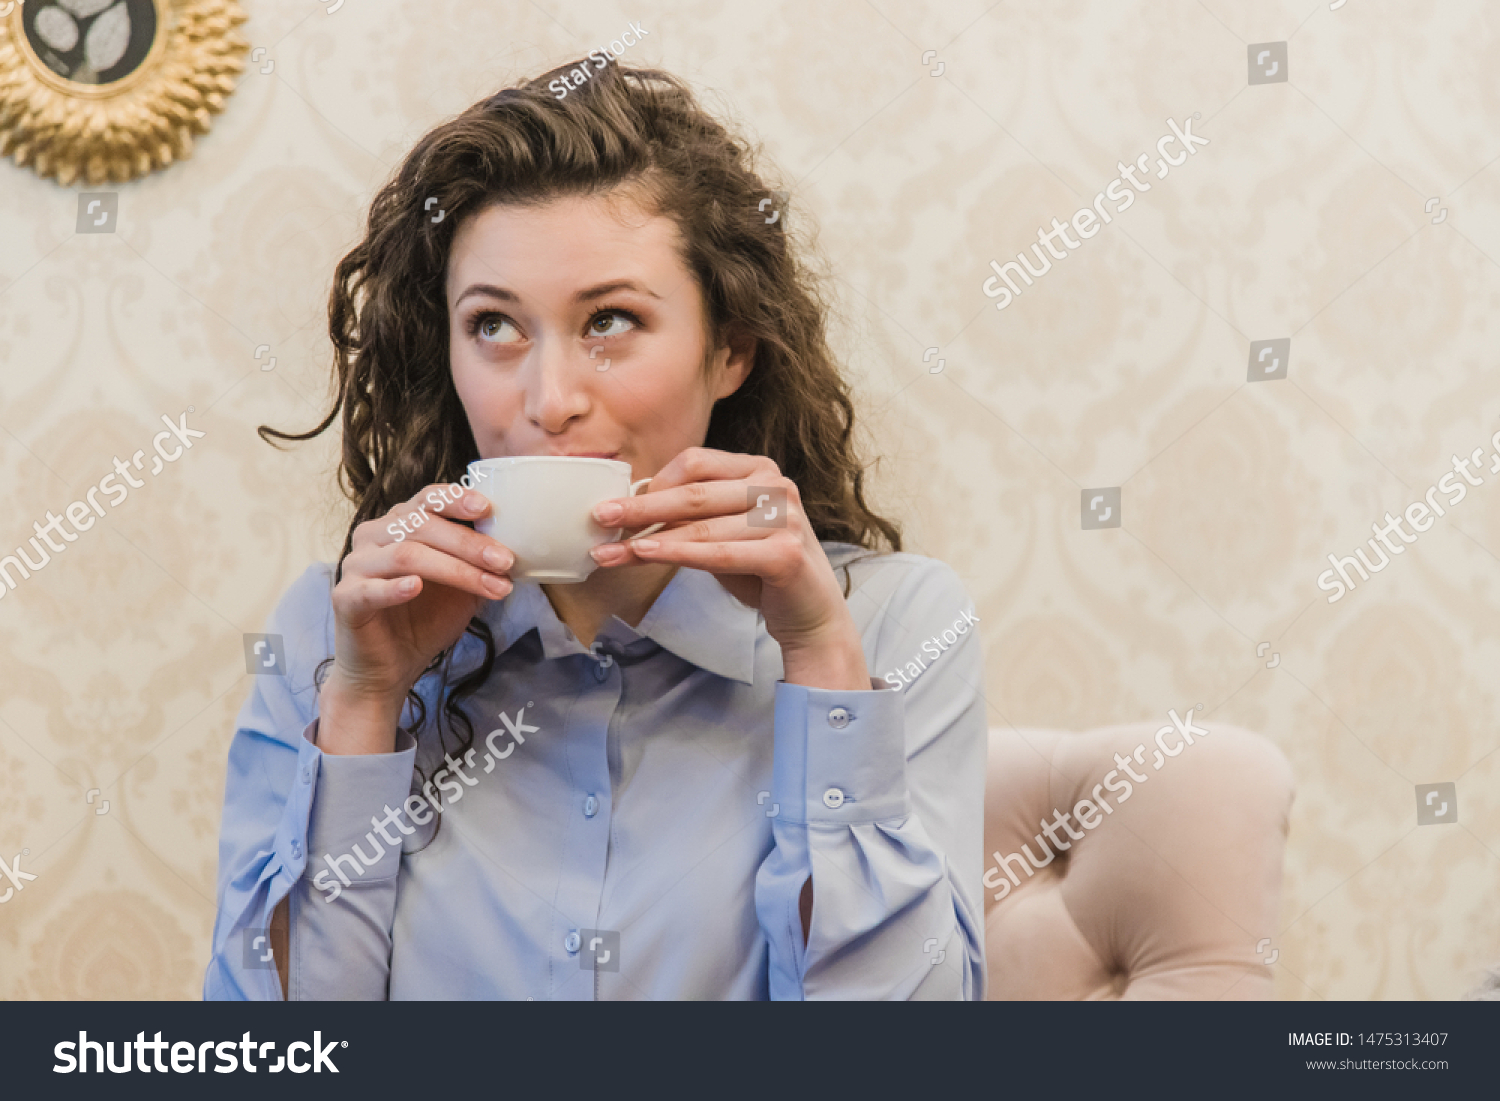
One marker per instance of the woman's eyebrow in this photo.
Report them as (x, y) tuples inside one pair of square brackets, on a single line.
[(601, 289), (489, 289), (587, 294)]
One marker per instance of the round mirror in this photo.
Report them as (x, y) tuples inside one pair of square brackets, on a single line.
[(96, 90), (90, 41)]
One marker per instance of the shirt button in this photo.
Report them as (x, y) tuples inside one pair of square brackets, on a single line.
[(307, 774), (296, 848), (838, 718), (590, 807), (601, 672), (572, 941), (833, 798)]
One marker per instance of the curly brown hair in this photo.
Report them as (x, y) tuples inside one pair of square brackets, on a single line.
[(639, 130)]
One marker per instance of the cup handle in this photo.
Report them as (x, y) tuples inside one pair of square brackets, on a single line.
[(635, 487)]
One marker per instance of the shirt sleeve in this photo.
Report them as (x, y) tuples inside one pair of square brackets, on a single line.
[(297, 823), (881, 802), (268, 792), (343, 909)]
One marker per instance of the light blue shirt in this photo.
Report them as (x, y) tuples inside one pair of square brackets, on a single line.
[(634, 822)]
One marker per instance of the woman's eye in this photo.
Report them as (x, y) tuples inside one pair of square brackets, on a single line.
[(495, 328), (608, 317)]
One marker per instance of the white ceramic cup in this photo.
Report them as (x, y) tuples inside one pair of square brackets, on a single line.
[(541, 507)]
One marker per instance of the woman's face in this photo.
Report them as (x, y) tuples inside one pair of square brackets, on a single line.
[(575, 329)]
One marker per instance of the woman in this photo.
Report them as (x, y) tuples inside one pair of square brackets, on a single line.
[(745, 757)]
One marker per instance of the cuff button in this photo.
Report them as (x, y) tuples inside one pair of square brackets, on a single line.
[(833, 798), (838, 718)]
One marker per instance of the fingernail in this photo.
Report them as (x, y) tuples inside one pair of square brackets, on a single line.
[(608, 512), (497, 585), (644, 544), (497, 559), (474, 502), (605, 553)]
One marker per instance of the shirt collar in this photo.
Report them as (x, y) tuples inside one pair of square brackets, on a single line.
[(694, 617)]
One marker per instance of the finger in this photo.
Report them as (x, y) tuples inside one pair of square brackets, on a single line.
[(397, 560), (718, 529), (359, 598), (405, 521), (402, 521), (455, 539), (705, 464), (693, 501), (769, 559), (450, 500)]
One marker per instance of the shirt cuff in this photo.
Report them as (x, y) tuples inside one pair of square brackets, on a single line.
[(840, 755), (348, 791)]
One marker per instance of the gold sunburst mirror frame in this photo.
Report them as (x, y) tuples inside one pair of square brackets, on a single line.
[(110, 90)]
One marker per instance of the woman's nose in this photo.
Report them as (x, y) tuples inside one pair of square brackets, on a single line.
[(556, 386)]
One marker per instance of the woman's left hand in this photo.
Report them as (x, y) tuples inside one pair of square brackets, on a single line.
[(735, 516)]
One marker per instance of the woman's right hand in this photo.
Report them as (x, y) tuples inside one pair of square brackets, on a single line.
[(399, 603)]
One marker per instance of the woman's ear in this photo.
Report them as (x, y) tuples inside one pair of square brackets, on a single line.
[(733, 363)]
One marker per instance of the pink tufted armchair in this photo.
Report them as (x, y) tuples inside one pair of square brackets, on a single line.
[(1169, 891)]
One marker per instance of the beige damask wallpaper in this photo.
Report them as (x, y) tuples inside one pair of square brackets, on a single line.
[(1140, 464)]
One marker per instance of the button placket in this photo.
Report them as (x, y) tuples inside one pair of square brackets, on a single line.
[(604, 658), (586, 844)]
